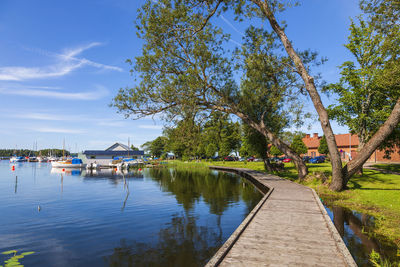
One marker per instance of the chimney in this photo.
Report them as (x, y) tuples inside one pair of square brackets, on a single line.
[(307, 135), (315, 135)]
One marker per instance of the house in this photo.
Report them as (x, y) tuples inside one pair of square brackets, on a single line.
[(348, 145), (104, 157)]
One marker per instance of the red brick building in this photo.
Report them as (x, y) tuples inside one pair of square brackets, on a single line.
[(347, 144)]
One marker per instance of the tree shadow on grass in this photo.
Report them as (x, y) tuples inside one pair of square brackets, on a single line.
[(360, 187), (371, 177)]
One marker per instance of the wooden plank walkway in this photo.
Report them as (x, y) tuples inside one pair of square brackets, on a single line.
[(288, 227)]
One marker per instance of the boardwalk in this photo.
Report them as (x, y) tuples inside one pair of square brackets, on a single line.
[(289, 227)]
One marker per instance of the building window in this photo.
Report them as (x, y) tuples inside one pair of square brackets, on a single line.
[(92, 157)]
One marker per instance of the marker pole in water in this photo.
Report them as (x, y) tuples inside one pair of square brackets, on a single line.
[(16, 184)]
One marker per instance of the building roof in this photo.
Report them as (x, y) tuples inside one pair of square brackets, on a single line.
[(111, 148), (311, 142), (114, 153), (342, 140)]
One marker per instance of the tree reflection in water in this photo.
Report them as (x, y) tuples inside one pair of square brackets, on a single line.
[(183, 242), (354, 228), (215, 189)]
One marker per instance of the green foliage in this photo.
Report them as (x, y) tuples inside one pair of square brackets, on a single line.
[(370, 86), (255, 143), (211, 150), (28, 152), (14, 260), (185, 68), (156, 147), (323, 146), (378, 261), (275, 151), (298, 145), (191, 138)]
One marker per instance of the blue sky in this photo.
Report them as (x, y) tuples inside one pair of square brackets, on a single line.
[(61, 62)]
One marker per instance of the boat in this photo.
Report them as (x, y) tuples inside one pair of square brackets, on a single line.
[(69, 163), (33, 159), (17, 159)]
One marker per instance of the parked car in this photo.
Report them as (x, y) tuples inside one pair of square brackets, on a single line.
[(275, 159), (250, 159), (229, 158), (287, 160), (318, 159), (257, 159), (242, 159), (306, 158)]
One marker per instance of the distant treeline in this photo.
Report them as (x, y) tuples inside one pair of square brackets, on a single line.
[(28, 152)]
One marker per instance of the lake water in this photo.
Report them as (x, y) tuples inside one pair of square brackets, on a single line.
[(356, 230), (158, 217)]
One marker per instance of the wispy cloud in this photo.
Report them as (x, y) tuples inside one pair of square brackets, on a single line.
[(57, 130), (110, 123), (235, 42), (89, 95), (154, 127), (66, 63), (231, 25), (41, 116)]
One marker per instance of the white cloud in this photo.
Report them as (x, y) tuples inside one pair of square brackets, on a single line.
[(67, 62), (57, 130), (154, 127), (111, 123), (90, 95), (41, 116)]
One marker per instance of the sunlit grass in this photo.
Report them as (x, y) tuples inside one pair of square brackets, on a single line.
[(388, 167)]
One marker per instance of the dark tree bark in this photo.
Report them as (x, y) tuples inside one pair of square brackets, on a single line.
[(337, 174), (340, 176)]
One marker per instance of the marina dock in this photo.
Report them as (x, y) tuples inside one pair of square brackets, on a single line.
[(288, 227)]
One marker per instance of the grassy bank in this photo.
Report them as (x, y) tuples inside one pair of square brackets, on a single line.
[(373, 193), (388, 167)]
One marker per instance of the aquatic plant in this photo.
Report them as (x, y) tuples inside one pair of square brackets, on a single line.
[(14, 260), (378, 261)]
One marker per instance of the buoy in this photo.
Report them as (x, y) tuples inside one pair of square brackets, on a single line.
[(63, 170), (115, 169), (13, 168), (140, 169)]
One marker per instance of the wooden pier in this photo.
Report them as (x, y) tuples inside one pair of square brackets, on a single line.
[(288, 227)]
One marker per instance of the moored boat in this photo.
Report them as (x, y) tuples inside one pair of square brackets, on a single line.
[(17, 159), (70, 163)]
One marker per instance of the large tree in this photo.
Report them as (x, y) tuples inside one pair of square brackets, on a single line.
[(183, 63), (363, 103), (184, 67)]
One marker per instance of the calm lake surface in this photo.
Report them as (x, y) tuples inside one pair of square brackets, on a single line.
[(158, 217)]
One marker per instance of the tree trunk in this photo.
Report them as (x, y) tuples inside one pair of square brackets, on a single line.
[(336, 162), (282, 146), (369, 148), (267, 165)]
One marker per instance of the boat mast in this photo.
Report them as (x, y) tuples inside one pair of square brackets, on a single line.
[(63, 147), (128, 148)]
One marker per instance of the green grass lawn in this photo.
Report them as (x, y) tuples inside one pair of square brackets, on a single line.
[(373, 193), (388, 167)]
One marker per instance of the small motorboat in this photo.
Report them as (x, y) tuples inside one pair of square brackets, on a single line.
[(69, 163), (17, 159)]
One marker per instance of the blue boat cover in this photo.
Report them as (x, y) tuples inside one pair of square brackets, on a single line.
[(76, 161)]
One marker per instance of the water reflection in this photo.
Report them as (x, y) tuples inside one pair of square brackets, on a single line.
[(182, 243), (354, 228), (161, 216), (213, 187)]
